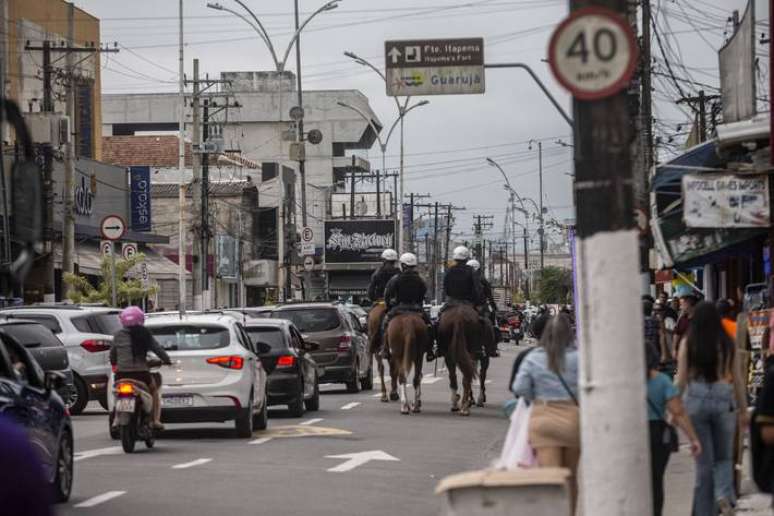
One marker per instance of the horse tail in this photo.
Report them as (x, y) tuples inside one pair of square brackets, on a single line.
[(407, 355), (458, 352)]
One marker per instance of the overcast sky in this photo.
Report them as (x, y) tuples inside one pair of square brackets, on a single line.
[(447, 141)]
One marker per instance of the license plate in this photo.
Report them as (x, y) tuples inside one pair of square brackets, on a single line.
[(125, 405), (177, 401)]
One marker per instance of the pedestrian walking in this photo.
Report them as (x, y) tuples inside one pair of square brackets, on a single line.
[(666, 326), (651, 327), (663, 398), (715, 400), (688, 302), (549, 378)]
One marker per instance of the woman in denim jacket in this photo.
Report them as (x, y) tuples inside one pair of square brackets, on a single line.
[(708, 376)]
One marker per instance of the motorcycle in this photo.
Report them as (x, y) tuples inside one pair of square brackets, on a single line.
[(133, 411)]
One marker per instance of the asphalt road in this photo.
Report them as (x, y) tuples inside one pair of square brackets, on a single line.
[(289, 468)]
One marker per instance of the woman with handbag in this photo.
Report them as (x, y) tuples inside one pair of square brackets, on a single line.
[(716, 402), (548, 377), (663, 398)]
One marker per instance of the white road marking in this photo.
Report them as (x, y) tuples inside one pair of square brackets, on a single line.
[(311, 421), (261, 440), (354, 460), (104, 497), (376, 395), (87, 454), (429, 381), (349, 406), (487, 382), (186, 465)]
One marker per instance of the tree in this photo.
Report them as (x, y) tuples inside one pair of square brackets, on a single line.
[(554, 286), (128, 290)]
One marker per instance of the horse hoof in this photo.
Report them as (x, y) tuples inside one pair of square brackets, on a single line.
[(419, 404), (404, 411), (480, 403), (455, 409), (385, 399), (416, 409), (394, 396), (465, 412)]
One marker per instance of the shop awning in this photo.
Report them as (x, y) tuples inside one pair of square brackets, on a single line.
[(677, 244), (350, 283), (89, 260)]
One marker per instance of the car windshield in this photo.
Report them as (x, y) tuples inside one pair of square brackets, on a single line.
[(30, 335), (309, 320), (106, 323), (271, 336), (189, 338)]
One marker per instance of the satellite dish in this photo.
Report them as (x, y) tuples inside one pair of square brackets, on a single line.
[(296, 113), (314, 136)]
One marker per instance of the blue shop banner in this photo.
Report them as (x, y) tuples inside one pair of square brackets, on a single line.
[(140, 198)]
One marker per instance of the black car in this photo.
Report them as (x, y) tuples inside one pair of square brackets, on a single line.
[(45, 348), (293, 378), (28, 396)]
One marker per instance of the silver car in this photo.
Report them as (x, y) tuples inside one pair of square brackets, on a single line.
[(86, 332)]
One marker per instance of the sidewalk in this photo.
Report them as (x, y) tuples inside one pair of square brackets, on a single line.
[(679, 489)]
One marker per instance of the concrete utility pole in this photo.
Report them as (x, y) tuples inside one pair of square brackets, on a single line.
[(182, 248), (612, 386), (68, 232), (198, 253)]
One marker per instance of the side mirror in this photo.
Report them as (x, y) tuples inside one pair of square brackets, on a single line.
[(310, 345), (262, 348), (53, 380)]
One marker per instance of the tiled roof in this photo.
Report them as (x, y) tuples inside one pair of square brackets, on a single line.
[(153, 151), (217, 189)]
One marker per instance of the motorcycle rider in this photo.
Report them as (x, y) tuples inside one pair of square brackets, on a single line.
[(460, 284), (128, 354), (486, 307), (406, 293)]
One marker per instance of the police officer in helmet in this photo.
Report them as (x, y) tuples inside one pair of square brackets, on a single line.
[(383, 274), (460, 283), (406, 293), (487, 306)]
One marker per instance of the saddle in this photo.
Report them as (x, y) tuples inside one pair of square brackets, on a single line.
[(405, 309)]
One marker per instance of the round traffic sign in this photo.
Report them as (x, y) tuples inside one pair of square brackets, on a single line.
[(112, 227), (307, 235), (593, 53), (129, 250)]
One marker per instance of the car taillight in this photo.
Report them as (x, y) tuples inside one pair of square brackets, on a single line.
[(345, 343), (286, 361), (125, 389), (114, 368), (229, 362), (94, 346)]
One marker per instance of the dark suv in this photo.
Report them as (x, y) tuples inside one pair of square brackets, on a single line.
[(343, 353)]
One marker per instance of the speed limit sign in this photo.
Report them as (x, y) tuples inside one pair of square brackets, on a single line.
[(593, 53)]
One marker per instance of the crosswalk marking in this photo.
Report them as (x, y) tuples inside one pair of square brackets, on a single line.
[(104, 497)]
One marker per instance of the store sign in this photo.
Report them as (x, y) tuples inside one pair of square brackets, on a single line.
[(84, 198), (726, 201), (357, 241), (140, 198)]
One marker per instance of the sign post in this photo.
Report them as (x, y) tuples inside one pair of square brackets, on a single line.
[(113, 227), (434, 67)]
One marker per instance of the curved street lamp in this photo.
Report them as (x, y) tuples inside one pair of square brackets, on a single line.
[(261, 30)]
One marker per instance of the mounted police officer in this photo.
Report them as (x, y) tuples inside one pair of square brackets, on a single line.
[(382, 275), (461, 284), (486, 307), (406, 293)]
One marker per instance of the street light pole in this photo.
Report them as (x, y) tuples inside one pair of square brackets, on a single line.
[(540, 210)]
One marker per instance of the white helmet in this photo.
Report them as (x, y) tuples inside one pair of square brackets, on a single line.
[(408, 259), (389, 255), (474, 264), (461, 253)]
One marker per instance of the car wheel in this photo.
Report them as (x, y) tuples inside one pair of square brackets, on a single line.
[(261, 421), (63, 481), (80, 396), (244, 421), (353, 385), (367, 383), (103, 401), (313, 403), (297, 407)]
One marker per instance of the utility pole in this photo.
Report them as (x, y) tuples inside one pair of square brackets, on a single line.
[(302, 161), (412, 230), (610, 323), (699, 104), (182, 248), (196, 138), (205, 215), (435, 253), (542, 227), (68, 232), (448, 238)]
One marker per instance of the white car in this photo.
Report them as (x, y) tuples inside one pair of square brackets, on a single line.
[(86, 332), (216, 374)]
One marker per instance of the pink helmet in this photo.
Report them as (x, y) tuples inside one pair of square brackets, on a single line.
[(132, 316)]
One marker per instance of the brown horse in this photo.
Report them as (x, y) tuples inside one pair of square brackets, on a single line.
[(407, 337), (481, 361), (458, 332), (375, 317)]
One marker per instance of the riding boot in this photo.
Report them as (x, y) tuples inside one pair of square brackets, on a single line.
[(430, 343), (440, 349)]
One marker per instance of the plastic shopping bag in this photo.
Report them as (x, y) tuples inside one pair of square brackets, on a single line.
[(517, 452)]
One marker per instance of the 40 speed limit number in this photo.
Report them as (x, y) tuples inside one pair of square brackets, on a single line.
[(593, 53)]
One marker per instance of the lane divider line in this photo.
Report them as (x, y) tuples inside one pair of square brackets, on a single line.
[(261, 440), (87, 454), (311, 421), (104, 497), (350, 406), (431, 380), (376, 395), (186, 465)]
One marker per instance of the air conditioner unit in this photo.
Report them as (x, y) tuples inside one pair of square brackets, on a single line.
[(50, 128)]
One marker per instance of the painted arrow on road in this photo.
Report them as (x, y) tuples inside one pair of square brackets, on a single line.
[(358, 459)]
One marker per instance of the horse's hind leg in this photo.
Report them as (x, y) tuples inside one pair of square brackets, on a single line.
[(380, 367), (482, 376), (453, 387), (402, 390), (467, 395), (417, 386)]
